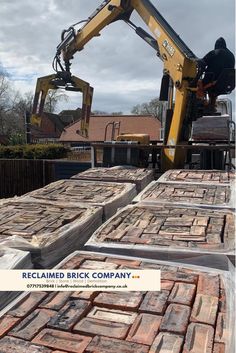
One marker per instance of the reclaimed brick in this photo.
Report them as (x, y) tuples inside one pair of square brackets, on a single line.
[(123, 262), (199, 339), (221, 334), (182, 293), (204, 309), (222, 302), (119, 300), (107, 345), (55, 300), (154, 302), (138, 176), (144, 329), (176, 319), (208, 284), (71, 313), (179, 276), (98, 265), (95, 327), (27, 304), (55, 339), (167, 343), (32, 324), (7, 322), (15, 345), (84, 295), (125, 317), (219, 348), (167, 285)]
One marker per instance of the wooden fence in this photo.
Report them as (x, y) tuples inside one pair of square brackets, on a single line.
[(19, 176)]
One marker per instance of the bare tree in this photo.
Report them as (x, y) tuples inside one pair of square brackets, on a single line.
[(52, 100), (154, 107)]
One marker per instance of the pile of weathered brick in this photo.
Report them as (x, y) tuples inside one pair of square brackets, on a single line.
[(138, 176), (12, 259), (108, 195), (188, 315), (188, 212)]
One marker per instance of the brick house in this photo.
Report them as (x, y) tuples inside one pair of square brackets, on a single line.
[(134, 124), (50, 130)]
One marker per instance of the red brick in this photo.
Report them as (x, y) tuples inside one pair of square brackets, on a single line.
[(107, 345), (55, 300), (221, 333), (125, 317), (176, 319), (98, 265), (204, 309), (119, 300), (7, 322), (95, 327), (27, 304), (219, 348), (124, 262), (167, 343), (182, 293), (59, 352), (144, 329), (179, 277), (167, 285), (32, 324), (69, 342), (84, 295), (208, 284), (199, 339), (73, 263), (70, 314), (222, 302), (15, 345), (154, 302)]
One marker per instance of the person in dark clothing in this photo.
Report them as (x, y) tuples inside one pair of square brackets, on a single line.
[(217, 60), (213, 65)]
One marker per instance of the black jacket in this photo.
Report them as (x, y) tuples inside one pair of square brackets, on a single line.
[(219, 59)]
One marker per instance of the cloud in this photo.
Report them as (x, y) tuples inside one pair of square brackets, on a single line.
[(122, 68)]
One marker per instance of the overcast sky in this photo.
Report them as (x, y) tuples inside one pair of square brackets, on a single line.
[(123, 70)]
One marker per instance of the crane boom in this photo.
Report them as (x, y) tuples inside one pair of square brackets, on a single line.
[(180, 63)]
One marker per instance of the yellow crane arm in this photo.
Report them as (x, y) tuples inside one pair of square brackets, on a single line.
[(180, 64)]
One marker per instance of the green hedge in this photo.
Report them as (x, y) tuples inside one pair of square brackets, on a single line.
[(40, 151)]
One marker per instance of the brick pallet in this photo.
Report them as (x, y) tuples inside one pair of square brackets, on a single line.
[(140, 177), (198, 176), (165, 229), (50, 231), (220, 196), (12, 259), (191, 314), (110, 196)]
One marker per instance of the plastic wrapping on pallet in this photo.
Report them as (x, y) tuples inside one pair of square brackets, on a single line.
[(48, 230), (108, 195), (193, 312), (221, 196), (198, 176), (166, 229), (12, 259), (138, 176)]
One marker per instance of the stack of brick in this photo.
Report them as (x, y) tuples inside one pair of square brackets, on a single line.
[(190, 314), (198, 176), (165, 226), (138, 176), (212, 195), (109, 195), (50, 231), (12, 259)]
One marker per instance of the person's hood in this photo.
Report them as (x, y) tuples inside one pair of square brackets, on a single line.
[(220, 43)]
